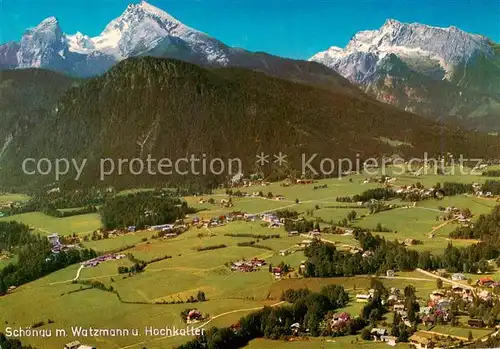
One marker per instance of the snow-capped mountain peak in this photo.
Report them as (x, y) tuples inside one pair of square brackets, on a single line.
[(142, 29), (140, 26), (79, 43), (445, 47)]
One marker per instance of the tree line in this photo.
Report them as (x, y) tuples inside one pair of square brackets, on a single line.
[(141, 210), (35, 260)]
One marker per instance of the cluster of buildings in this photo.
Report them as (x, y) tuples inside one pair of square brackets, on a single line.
[(56, 244), (272, 220), (423, 193), (248, 266), (100, 259), (479, 192), (456, 214)]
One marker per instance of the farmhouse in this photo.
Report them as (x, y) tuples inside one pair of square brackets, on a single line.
[(378, 333)]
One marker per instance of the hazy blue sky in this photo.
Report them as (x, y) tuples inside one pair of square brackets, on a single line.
[(296, 28)]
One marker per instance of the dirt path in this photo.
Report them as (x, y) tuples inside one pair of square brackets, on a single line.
[(445, 279), (404, 278), (436, 228), (78, 272), (444, 335), (235, 311)]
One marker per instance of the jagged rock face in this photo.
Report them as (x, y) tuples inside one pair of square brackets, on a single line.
[(42, 46), (432, 71), (8, 55)]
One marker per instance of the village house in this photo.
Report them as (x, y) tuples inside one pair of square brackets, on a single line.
[(277, 272), (378, 333), (363, 297), (295, 328), (269, 218), (339, 319), (486, 282), (193, 316)]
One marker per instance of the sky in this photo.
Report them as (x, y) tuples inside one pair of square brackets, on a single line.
[(288, 28)]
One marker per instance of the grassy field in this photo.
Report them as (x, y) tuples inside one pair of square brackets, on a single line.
[(45, 225), (230, 294), (6, 197)]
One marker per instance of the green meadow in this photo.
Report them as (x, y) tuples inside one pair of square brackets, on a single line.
[(45, 225), (230, 294)]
